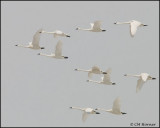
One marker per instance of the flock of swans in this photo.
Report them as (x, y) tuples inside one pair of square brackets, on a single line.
[(95, 27)]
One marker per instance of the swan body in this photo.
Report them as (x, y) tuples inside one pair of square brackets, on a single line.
[(86, 111), (115, 108), (93, 70), (57, 33), (105, 79), (35, 42), (143, 77), (133, 26), (58, 52), (95, 27)]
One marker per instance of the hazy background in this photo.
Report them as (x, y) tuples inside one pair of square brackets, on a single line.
[(38, 91)]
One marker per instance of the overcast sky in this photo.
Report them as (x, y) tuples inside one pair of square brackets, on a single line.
[(38, 90)]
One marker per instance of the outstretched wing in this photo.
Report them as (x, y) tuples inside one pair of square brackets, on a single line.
[(58, 51), (116, 105), (36, 38), (95, 69), (140, 83), (84, 116), (133, 28), (97, 25), (107, 76), (90, 74)]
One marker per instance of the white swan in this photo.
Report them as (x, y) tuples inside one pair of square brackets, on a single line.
[(105, 79), (95, 27), (35, 42), (86, 111), (115, 108), (57, 33), (133, 26), (143, 77), (58, 52), (93, 70)]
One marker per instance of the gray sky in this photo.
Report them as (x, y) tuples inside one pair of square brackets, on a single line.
[(38, 91)]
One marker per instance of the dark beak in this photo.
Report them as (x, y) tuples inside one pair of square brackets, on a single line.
[(145, 25), (103, 30), (113, 83), (123, 113), (42, 48), (104, 72), (38, 54), (67, 36), (153, 78), (16, 45), (65, 57), (97, 113)]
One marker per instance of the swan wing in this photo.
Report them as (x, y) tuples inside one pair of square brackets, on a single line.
[(97, 25), (92, 24), (140, 83), (58, 51), (107, 76), (90, 74), (133, 28), (116, 105), (144, 76), (84, 116), (36, 38), (95, 69)]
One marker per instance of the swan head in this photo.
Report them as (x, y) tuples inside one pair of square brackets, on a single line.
[(42, 47), (68, 36), (104, 72), (77, 28), (103, 30), (145, 25), (97, 112), (65, 57), (123, 113)]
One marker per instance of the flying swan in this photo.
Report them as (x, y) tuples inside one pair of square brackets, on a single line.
[(56, 33), (93, 70), (133, 26), (115, 108), (35, 42), (143, 77), (58, 52), (95, 27), (105, 79), (86, 111)]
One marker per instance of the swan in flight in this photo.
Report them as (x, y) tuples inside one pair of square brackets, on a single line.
[(35, 42), (86, 111), (95, 27), (115, 108), (56, 33), (58, 52), (143, 77), (105, 79), (94, 70), (133, 26)]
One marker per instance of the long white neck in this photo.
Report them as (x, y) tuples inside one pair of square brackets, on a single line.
[(48, 32), (77, 108), (122, 23), (84, 29), (98, 82), (42, 54), (132, 75), (102, 109), (19, 45), (82, 70)]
